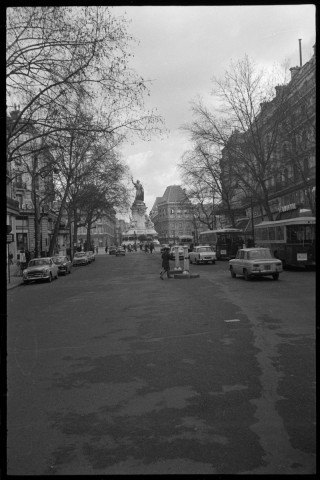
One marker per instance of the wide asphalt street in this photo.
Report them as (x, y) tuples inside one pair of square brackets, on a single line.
[(112, 371)]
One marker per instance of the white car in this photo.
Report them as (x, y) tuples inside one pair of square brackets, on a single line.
[(40, 269), (172, 253), (202, 254), (255, 262), (80, 258), (91, 256)]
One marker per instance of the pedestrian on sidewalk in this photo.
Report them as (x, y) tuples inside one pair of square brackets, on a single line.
[(165, 263)]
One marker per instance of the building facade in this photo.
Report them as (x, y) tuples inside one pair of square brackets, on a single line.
[(290, 182), (28, 197), (169, 217)]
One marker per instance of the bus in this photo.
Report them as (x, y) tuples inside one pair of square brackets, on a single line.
[(226, 241), (185, 240), (293, 241)]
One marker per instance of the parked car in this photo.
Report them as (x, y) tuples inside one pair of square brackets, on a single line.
[(120, 251), (202, 254), (255, 262), (42, 268), (64, 264), (80, 258), (91, 256), (112, 250), (172, 253)]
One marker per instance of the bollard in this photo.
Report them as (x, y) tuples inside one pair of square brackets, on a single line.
[(177, 267), (186, 260), (186, 274)]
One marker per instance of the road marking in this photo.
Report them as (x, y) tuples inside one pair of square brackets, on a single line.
[(233, 320)]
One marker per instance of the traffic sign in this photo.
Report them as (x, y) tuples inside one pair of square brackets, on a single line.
[(9, 237)]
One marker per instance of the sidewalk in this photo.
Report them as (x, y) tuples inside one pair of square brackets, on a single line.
[(15, 281)]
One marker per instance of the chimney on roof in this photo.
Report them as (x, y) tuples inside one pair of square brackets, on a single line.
[(294, 71)]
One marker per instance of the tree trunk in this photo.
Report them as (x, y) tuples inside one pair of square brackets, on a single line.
[(36, 220), (57, 223)]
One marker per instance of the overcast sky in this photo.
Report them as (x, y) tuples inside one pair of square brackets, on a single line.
[(182, 47)]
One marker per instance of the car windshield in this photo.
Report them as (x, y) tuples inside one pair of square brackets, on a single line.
[(59, 259), (80, 254), (204, 249), (260, 254), (39, 262)]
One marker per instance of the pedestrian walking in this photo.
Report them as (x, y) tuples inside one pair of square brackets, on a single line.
[(151, 247), (165, 263), (106, 249), (146, 249)]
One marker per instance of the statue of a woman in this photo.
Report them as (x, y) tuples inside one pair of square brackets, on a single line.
[(139, 190)]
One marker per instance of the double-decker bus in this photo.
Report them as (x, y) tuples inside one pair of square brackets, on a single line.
[(226, 241), (292, 240)]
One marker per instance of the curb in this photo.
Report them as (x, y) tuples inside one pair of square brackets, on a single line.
[(182, 276)]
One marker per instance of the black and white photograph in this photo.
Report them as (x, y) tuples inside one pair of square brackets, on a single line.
[(161, 240)]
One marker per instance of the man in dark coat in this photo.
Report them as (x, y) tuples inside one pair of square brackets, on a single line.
[(165, 263)]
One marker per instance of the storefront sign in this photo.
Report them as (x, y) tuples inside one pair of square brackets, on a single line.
[(286, 208), (9, 237)]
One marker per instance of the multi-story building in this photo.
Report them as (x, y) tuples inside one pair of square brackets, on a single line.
[(103, 231), (28, 196), (170, 218), (290, 179)]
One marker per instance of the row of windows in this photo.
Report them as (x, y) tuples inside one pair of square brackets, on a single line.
[(295, 233), (163, 212)]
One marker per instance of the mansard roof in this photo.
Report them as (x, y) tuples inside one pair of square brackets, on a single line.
[(173, 194)]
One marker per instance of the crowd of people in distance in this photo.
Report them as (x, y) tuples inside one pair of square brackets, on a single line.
[(148, 247)]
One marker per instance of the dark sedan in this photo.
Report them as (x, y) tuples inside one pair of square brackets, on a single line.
[(64, 264)]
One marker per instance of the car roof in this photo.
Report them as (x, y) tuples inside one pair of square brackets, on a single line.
[(41, 258), (253, 248)]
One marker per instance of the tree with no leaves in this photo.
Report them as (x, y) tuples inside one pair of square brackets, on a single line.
[(56, 55), (245, 129)]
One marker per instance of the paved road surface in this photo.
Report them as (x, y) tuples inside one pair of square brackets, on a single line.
[(113, 371)]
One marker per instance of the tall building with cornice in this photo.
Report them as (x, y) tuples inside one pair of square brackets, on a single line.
[(170, 217)]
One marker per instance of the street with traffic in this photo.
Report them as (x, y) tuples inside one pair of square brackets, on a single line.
[(112, 371)]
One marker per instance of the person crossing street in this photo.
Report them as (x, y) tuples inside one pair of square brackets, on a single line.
[(165, 263)]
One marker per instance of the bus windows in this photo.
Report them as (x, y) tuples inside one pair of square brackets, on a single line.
[(279, 232), (272, 233), (309, 233)]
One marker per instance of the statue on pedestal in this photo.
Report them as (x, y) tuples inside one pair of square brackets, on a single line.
[(139, 190)]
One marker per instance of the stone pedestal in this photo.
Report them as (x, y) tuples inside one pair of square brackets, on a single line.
[(138, 216)]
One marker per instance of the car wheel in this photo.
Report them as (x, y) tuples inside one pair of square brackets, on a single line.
[(245, 274), (50, 278), (233, 275), (275, 276), (213, 262)]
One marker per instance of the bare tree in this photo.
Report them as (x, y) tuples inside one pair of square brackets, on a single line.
[(56, 55), (246, 128)]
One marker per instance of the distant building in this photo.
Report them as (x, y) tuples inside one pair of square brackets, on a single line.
[(170, 217), (103, 231)]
